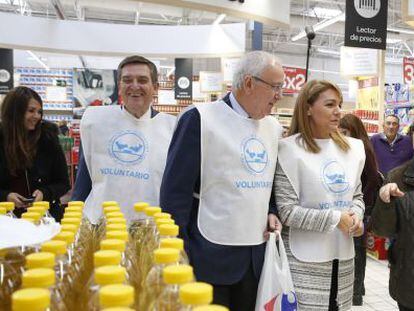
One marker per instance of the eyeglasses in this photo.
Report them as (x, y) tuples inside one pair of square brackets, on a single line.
[(275, 88)]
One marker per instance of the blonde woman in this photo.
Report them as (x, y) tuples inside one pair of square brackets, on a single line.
[(319, 199)]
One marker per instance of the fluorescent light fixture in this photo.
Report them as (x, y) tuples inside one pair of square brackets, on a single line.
[(392, 40), (330, 52), (400, 30), (323, 24), (398, 61), (37, 59), (324, 12), (219, 19)]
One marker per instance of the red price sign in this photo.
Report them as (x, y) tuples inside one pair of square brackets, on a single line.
[(294, 79), (408, 64)]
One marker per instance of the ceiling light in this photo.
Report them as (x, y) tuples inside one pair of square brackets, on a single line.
[(330, 52), (324, 12), (321, 25), (219, 19), (401, 30)]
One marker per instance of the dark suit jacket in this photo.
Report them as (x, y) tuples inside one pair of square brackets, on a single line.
[(213, 263)]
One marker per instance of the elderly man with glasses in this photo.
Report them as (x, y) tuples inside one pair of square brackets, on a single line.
[(218, 181)]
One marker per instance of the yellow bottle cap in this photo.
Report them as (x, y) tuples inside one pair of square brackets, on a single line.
[(73, 214), (32, 215), (118, 309), (110, 203), (107, 275), (151, 210), (106, 258), (76, 203), (162, 215), (70, 221), (8, 205), (180, 274), (113, 244), (114, 215), (55, 247), (118, 234), (45, 204), (172, 243), (166, 255), (140, 206), (32, 220), (40, 277), (168, 230), (40, 260), (111, 209), (116, 227), (164, 221), (74, 208), (37, 209), (116, 296), (69, 227), (33, 299), (211, 308), (3, 210), (67, 236), (196, 293), (118, 220)]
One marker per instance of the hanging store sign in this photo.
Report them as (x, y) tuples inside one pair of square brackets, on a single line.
[(294, 79), (359, 62), (211, 82), (366, 23), (408, 70), (183, 78), (6, 70)]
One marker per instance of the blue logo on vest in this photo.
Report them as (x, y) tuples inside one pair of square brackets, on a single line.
[(254, 155), (334, 177), (128, 147)]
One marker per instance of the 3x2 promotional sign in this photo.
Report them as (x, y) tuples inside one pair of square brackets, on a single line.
[(366, 24)]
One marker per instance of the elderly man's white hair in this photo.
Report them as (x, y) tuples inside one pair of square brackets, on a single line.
[(253, 63)]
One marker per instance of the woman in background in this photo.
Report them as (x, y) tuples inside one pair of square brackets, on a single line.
[(319, 199), (352, 126), (32, 164)]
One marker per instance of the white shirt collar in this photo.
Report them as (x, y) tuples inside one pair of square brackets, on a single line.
[(236, 106)]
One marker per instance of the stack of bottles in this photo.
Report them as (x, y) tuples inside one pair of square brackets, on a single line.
[(105, 266)]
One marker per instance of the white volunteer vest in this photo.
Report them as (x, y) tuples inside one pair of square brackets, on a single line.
[(325, 180), (125, 157), (238, 161)]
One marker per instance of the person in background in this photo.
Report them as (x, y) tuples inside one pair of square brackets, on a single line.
[(218, 181), (32, 163), (391, 148), (123, 150), (63, 128), (352, 126), (318, 230), (393, 217)]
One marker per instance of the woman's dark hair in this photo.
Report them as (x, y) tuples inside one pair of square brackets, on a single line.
[(19, 144), (357, 130)]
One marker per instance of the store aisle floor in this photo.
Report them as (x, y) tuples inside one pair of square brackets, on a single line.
[(376, 285)]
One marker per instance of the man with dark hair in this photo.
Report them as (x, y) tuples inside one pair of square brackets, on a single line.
[(391, 148), (124, 148)]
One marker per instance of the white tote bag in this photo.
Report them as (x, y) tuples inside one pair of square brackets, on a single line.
[(275, 291)]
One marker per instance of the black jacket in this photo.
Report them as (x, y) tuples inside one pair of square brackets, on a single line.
[(49, 172), (396, 220)]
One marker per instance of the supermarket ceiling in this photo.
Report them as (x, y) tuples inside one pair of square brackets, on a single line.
[(327, 43)]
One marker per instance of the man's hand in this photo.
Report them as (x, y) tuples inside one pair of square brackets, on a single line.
[(273, 224), (38, 195), (357, 228), (346, 222), (17, 199), (389, 190)]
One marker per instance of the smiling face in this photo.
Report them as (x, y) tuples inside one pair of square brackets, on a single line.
[(262, 93), (325, 114), (136, 88), (33, 114)]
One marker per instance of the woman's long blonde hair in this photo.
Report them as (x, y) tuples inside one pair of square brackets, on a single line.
[(301, 120)]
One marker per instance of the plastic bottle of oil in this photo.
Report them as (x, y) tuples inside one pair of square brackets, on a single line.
[(153, 284), (162, 215), (117, 220), (3, 211), (46, 206), (9, 207), (44, 278), (35, 299), (34, 215), (176, 243), (174, 277), (9, 282), (103, 276), (194, 295), (211, 308), (118, 295), (118, 309), (40, 260), (76, 203)]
